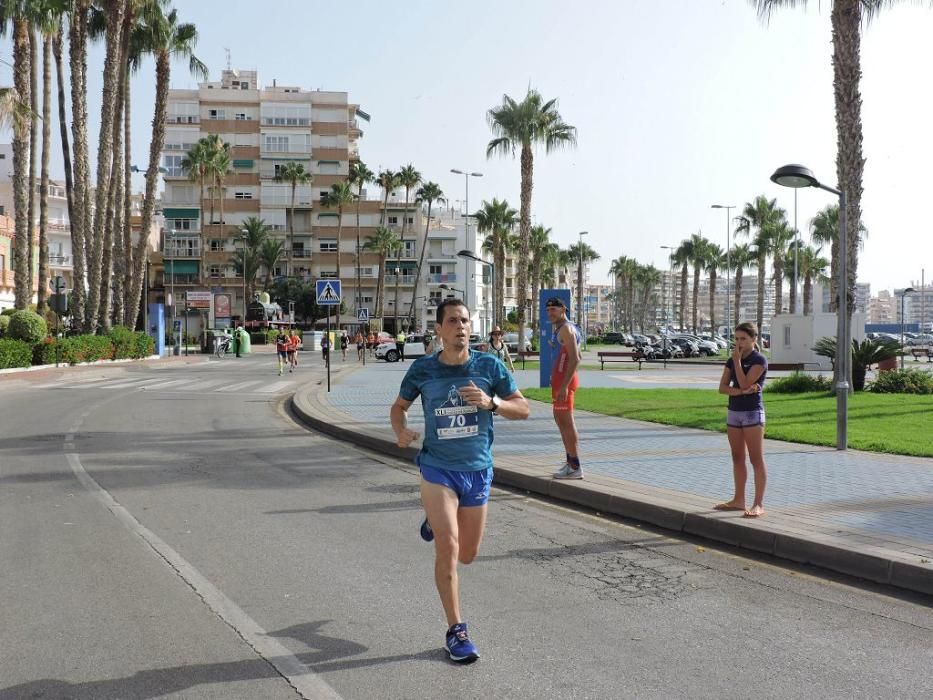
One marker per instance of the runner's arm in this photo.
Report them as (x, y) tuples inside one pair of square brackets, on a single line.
[(514, 406), (398, 414), (724, 387)]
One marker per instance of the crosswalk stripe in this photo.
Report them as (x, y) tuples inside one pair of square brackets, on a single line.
[(272, 388)]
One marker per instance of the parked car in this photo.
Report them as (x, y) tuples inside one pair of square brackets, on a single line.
[(511, 342), (704, 347), (687, 346), (920, 339), (638, 339), (613, 338), (414, 347)]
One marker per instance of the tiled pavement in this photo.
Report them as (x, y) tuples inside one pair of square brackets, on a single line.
[(866, 514)]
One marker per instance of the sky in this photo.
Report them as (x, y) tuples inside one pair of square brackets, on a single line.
[(678, 105)]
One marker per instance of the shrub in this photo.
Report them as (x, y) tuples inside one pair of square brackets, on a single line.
[(594, 340), (144, 345), (4, 324), (15, 353), (7, 312), (28, 326), (75, 349), (124, 342), (799, 383), (902, 381), (864, 354)]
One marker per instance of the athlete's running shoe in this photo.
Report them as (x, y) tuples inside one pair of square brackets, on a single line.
[(427, 534), (568, 472), (459, 646)]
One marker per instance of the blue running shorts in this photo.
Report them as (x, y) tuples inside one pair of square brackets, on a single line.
[(745, 419), (471, 487)]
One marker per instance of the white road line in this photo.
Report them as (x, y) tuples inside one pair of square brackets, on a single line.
[(272, 388), (126, 383), (308, 684), (242, 385)]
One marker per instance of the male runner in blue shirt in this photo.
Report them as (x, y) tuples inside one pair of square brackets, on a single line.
[(460, 390)]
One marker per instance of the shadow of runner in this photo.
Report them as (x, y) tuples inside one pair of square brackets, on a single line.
[(159, 682)]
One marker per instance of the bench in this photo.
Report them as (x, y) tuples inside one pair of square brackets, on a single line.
[(922, 352), (522, 355), (785, 366), (616, 356)]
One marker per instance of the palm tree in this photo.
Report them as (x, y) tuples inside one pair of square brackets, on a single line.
[(647, 277), (757, 221), (683, 255), (522, 126), (582, 254), (17, 14), (295, 174), (698, 245), (540, 248), (196, 162), (247, 260), (715, 261), (825, 230), (781, 236), (168, 39), (617, 271), (741, 257), (340, 196), (271, 251), (359, 176), (846, 18), (409, 178), (429, 192), (383, 242), (812, 266), (388, 181), (220, 166), (496, 219)]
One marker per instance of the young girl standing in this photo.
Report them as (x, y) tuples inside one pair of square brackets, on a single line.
[(742, 380)]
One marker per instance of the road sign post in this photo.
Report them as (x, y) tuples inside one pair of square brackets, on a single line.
[(328, 294), (362, 315)]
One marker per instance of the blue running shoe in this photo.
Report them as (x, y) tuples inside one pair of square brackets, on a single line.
[(427, 534), (459, 646)]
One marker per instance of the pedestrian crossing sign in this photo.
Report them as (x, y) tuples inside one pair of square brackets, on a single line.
[(363, 314), (328, 292)]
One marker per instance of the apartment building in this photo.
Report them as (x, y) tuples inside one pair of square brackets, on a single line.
[(268, 126)]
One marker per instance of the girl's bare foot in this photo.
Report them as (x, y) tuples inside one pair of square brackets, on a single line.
[(729, 505), (754, 512)]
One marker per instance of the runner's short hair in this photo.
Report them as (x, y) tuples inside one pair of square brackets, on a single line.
[(444, 305)]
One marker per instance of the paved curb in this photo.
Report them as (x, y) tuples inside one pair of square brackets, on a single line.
[(781, 536)]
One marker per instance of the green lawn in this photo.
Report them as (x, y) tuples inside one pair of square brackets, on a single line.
[(895, 423)]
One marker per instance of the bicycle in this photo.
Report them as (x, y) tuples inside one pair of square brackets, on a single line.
[(223, 347)]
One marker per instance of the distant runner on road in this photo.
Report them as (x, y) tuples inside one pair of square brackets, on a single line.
[(460, 390), (281, 349)]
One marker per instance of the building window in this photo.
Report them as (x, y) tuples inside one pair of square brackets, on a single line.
[(217, 114), (181, 224), (240, 116), (324, 193), (411, 219), (214, 271), (173, 166), (242, 195), (275, 144), (393, 220), (436, 270), (328, 274), (217, 245), (328, 245)]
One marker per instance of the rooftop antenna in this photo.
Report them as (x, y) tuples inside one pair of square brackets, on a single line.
[(228, 57)]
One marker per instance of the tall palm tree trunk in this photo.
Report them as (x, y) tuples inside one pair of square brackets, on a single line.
[(500, 281), (359, 252), (113, 234), (778, 283), (712, 301), (683, 295), (77, 54), (23, 243), (524, 235), (807, 294), (760, 312), (398, 258), (380, 284), (115, 10), (424, 248), (846, 16), (44, 175), (140, 255), (63, 122), (581, 307), (129, 261), (696, 296), (291, 235), (34, 146), (738, 297)]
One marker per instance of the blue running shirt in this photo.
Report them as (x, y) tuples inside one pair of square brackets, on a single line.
[(457, 436)]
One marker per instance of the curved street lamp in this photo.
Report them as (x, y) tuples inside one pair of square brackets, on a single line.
[(797, 176), (474, 257)]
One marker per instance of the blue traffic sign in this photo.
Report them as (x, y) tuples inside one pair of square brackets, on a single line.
[(328, 292)]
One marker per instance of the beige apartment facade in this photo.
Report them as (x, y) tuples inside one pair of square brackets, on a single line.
[(267, 127)]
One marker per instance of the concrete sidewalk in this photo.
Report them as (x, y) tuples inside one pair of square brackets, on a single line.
[(864, 514)]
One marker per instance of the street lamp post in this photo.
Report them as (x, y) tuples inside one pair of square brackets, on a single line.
[(492, 274), (244, 236), (797, 176), (670, 282), (904, 293), (466, 226), (728, 208), (170, 249)]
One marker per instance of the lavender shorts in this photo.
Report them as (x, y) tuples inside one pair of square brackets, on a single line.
[(745, 419)]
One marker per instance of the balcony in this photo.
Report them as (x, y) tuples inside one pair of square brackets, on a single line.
[(439, 278), (304, 254), (60, 261), (182, 247), (402, 279)]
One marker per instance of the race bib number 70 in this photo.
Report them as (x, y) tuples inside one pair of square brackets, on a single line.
[(455, 422)]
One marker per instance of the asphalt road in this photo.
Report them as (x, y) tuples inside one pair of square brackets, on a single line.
[(169, 531)]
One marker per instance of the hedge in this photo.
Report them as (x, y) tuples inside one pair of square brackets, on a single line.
[(15, 353), (129, 344), (4, 324)]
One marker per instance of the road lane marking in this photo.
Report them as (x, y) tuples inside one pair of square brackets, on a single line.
[(305, 681)]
